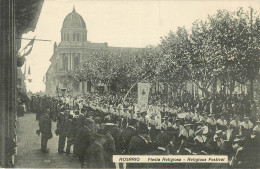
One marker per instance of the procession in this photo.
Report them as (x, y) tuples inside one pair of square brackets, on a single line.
[(130, 84), (95, 127)]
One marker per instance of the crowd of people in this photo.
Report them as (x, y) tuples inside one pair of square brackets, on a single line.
[(95, 127)]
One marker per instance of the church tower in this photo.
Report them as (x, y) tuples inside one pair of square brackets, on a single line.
[(73, 29)]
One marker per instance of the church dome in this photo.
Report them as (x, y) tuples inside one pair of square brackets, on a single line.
[(74, 20)]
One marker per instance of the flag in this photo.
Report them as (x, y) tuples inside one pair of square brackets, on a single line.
[(28, 48), (143, 95)]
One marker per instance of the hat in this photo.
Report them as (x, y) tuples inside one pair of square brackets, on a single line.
[(143, 112), (258, 121), (211, 114), (246, 117), (120, 107), (109, 124), (219, 132), (177, 120), (152, 115), (199, 122), (187, 124)]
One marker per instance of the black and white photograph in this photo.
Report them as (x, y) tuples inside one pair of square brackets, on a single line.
[(130, 84)]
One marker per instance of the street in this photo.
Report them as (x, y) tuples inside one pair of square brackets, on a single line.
[(29, 154)]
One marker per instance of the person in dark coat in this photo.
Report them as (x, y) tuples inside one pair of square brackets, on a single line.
[(80, 121), (95, 154), (84, 139), (69, 133), (61, 130), (162, 142), (139, 144), (109, 146), (127, 134), (45, 130)]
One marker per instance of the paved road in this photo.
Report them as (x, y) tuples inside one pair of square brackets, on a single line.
[(29, 154)]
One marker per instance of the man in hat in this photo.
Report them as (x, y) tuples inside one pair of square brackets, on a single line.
[(139, 143), (143, 118), (95, 155), (166, 123), (111, 142), (234, 127), (257, 128), (126, 114), (45, 130), (177, 125), (127, 134), (219, 138), (222, 123), (200, 138), (162, 142), (211, 121), (84, 139), (69, 132), (97, 125), (246, 127), (247, 124), (239, 158), (152, 121), (187, 133), (61, 130), (197, 117)]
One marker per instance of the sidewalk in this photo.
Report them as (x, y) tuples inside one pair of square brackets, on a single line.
[(29, 154)]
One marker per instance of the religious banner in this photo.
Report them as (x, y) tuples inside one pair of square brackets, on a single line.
[(143, 95)]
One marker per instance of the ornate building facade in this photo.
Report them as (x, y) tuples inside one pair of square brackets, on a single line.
[(72, 50)]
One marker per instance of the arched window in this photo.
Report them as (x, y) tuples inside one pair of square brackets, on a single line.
[(62, 37), (74, 36), (68, 37)]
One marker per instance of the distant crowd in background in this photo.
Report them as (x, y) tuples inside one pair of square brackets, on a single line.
[(100, 126)]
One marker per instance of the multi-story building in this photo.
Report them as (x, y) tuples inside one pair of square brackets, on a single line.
[(72, 50)]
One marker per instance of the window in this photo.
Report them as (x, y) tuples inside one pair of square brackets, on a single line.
[(65, 61), (68, 38), (77, 36), (76, 60), (74, 36), (62, 39)]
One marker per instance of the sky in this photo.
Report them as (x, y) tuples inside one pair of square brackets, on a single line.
[(128, 23)]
